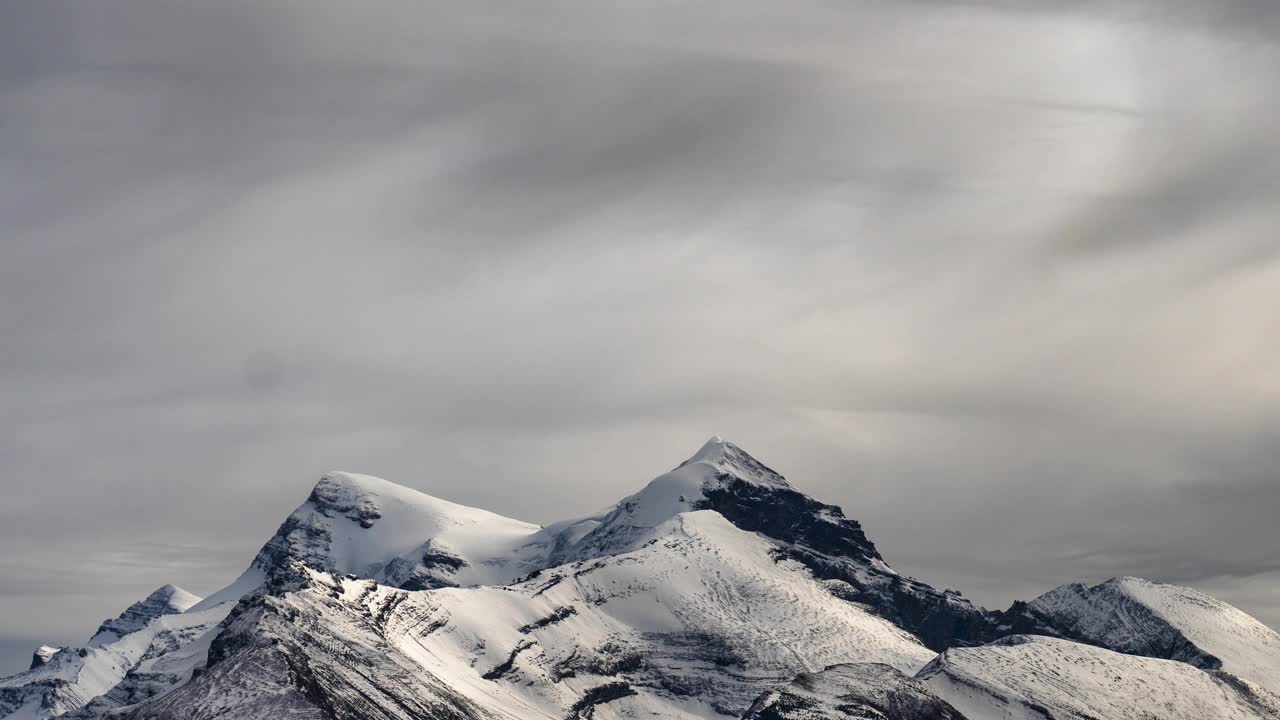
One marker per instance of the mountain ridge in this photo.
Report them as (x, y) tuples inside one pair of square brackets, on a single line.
[(712, 586)]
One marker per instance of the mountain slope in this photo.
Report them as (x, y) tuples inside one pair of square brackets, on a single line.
[(702, 595), (868, 691), (1140, 617), (73, 677), (1039, 678), (168, 600), (693, 623), (368, 527), (724, 478)]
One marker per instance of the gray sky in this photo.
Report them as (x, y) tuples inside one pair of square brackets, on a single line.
[(999, 278)]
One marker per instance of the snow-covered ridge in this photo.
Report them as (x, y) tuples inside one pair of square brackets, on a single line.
[(73, 677), (694, 623), (1140, 617), (365, 526), (717, 464), (714, 583), (1026, 677), (167, 600)]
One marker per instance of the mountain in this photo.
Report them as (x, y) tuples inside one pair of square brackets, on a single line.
[(1025, 677), (1140, 617), (117, 660), (715, 590), (694, 622), (724, 478)]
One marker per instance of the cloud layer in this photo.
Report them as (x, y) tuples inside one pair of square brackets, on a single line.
[(995, 277)]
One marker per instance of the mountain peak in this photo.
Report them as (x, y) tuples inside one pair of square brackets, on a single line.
[(366, 526), (730, 462), (174, 597), (711, 451), (165, 600)]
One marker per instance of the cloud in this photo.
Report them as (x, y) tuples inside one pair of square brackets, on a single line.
[(989, 275)]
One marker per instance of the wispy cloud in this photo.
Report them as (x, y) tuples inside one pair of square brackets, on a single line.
[(994, 276)]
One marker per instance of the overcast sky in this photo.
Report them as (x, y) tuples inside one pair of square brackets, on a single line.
[(999, 278)]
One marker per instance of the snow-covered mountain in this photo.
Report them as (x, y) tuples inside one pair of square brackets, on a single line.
[(694, 622), (1022, 677), (1139, 617), (715, 590), (364, 526), (118, 665), (1025, 677), (724, 478)]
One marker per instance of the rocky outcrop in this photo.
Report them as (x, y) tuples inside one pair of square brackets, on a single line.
[(867, 691), (42, 656)]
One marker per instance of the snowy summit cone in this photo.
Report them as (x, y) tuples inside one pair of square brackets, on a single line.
[(360, 525), (723, 477)]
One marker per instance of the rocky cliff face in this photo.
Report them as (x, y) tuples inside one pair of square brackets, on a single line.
[(43, 655), (836, 549)]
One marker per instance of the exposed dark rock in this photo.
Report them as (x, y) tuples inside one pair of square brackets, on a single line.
[(834, 547), (510, 662), (868, 691), (42, 656), (790, 516), (1105, 616), (599, 695), (560, 615)]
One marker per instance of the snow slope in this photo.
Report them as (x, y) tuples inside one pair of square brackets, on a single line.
[(1026, 677), (168, 600), (695, 622), (1141, 617), (368, 527), (724, 478), (868, 691), (73, 677)]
